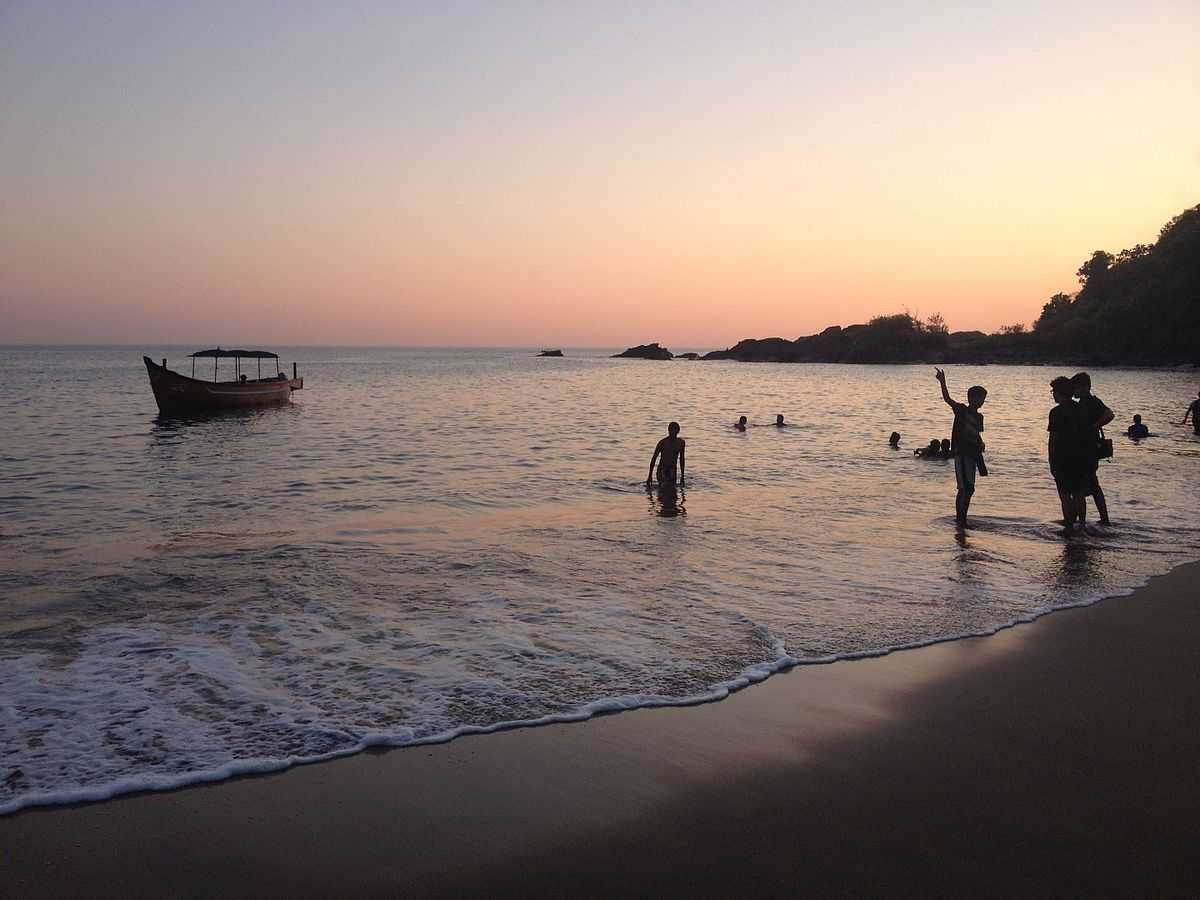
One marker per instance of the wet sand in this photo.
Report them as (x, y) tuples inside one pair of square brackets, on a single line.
[(1060, 758)]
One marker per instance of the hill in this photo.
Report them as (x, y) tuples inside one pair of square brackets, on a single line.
[(1138, 307)]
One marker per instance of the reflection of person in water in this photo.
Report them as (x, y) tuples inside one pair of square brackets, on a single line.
[(666, 500), (740, 424), (668, 453)]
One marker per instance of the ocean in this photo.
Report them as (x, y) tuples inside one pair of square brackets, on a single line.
[(433, 542)]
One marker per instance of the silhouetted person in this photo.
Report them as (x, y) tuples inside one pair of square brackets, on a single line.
[(667, 453), (740, 425), (243, 379), (945, 449), (894, 440), (1137, 430), (1097, 416), (1070, 455), (933, 451), (779, 423), (966, 444), (1193, 410)]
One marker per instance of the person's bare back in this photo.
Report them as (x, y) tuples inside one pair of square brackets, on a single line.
[(669, 454)]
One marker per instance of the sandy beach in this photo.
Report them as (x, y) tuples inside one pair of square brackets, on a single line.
[(1053, 759)]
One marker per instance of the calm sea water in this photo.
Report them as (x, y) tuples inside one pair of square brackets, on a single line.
[(428, 542)]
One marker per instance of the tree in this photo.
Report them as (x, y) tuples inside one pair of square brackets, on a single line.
[(1095, 268), (935, 324), (1059, 305), (1137, 251), (1016, 328)]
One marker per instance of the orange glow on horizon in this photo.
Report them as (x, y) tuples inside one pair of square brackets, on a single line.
[(777, 188)]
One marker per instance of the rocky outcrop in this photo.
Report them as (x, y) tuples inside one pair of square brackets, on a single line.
[(645, 351)]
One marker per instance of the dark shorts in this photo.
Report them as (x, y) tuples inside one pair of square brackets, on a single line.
[(1073, 479), (965, 469)]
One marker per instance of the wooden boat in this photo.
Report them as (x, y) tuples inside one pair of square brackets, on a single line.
[(176, 393)]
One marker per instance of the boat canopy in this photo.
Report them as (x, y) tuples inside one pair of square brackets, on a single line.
[(230, 354)]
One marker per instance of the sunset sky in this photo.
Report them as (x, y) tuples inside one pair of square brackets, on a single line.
[(568, 174)]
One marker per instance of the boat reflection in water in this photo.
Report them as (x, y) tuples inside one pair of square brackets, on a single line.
[(178, 394)]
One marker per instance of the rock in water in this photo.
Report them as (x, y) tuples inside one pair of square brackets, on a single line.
[(645, 351)]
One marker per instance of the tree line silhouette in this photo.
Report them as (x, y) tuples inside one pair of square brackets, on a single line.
[(1138, 307)]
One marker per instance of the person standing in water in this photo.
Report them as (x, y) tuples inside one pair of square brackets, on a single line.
[(668, 453), (1193, 410), (1097, 416), (966, 444), (740, 424), (779, 423)]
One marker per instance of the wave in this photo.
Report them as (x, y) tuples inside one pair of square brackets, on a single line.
[(751, 675)]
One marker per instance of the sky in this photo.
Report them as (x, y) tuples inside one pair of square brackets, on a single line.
[(575, 174)]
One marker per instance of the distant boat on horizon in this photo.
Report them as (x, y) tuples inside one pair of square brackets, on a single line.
[(176, 393)]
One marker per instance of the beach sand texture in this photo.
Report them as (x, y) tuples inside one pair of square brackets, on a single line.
[(1053, 759)]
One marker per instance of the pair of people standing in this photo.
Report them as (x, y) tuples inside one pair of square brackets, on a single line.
[(1075, 435), (1076, 431)]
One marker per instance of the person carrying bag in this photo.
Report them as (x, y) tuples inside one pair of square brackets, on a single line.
[(1097, 415)]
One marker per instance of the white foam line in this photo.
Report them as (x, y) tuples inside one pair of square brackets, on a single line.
[(751, 675)]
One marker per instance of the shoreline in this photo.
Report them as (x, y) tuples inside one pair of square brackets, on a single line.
[(1056, 757), (750, 677)]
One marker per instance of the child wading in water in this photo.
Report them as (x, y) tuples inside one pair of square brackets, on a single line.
[(966, 444)]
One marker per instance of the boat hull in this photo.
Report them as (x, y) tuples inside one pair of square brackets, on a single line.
[(175, 393)]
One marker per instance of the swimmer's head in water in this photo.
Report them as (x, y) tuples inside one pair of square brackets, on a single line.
[(894, 439), (945, 445), (779, 419), (742, 420), (976, 395), (1137, 420), (935, 445), (673, 429)]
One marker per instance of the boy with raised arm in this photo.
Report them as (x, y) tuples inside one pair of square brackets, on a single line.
[(667, 451), (966, 444)]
